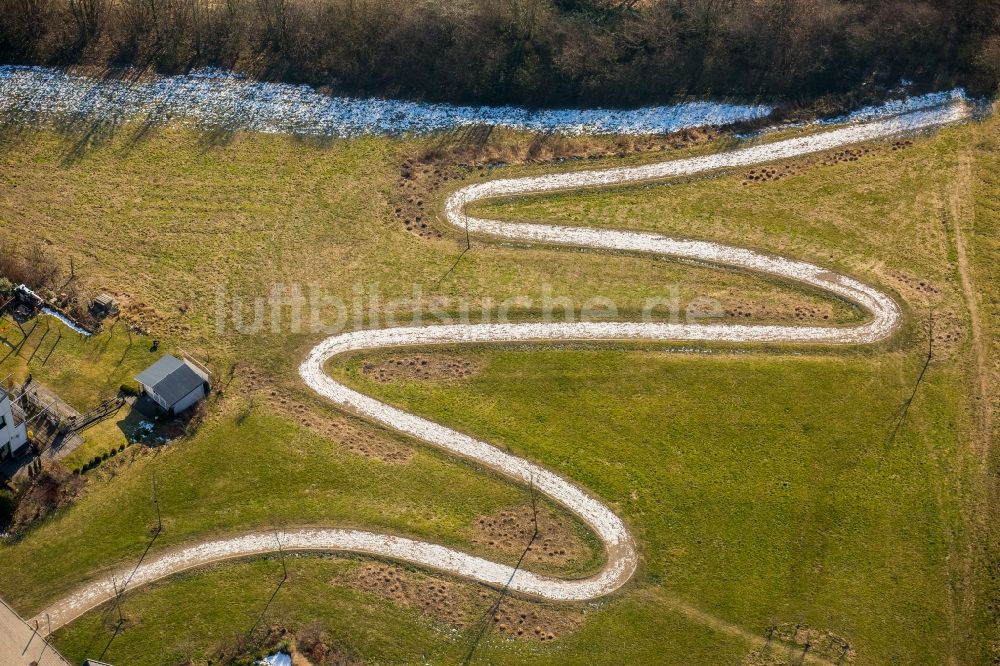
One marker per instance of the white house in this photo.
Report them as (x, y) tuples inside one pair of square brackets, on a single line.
[(173, 384), (13, 436)]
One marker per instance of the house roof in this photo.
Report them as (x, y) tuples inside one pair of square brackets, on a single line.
[(170, 378)]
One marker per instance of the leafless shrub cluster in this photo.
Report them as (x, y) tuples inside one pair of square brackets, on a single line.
[(28, 263), (245, 648), (52, 488), (536, 52), (316, 644)]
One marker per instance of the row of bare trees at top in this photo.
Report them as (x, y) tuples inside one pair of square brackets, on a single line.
[(535, 52)]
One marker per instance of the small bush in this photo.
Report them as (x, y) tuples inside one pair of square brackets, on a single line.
[(7, 508), (121, 448), (128, 390), (51, 489), (314, 641), (30, 264)]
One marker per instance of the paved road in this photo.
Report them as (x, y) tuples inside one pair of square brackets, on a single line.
[(21, 645)]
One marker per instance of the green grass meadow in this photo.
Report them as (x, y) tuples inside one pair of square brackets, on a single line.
[(764, 485)]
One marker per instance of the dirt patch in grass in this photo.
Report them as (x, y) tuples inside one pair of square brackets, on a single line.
[(770, 173), (409, 205), (948, 325), (793, 643), (454, 603), (509, 531), (357, 438), (146, 319), (517, 618), (469, 152), (738, 309), (913, 288), (314, 646), (949, 331), (816, 642), (421, 366), (434, 597)]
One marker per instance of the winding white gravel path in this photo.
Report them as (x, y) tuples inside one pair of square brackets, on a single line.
[(621, 551)]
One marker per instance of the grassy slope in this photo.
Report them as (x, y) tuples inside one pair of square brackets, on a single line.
[(982, 236), (749, 501), (168, 221), (230, 597), (271, 210), (265, 471), (864, 216), (165, 198)]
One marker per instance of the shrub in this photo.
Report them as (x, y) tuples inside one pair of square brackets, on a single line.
[(7, 509), (30, 264), (126, 389), (53, 488), (314, 641)]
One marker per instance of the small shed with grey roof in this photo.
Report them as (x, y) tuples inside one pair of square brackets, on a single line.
[(173, 384)]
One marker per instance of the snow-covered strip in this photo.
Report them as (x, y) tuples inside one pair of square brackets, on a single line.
[(622, 556), (72, 325), (214, 97), (898, 107)]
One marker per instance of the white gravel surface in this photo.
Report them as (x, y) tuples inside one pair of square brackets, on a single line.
[(621, 552)]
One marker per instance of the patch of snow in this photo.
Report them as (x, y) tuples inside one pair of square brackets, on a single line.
[(898, 106), (216, 98), (46, 310), (276, 659)]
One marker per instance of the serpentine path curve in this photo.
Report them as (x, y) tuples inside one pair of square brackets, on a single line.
[(621, 551)]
